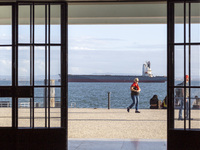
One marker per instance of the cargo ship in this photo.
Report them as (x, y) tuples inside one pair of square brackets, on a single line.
[(146, 76)]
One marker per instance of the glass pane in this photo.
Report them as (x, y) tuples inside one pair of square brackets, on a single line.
[(6, 24), (24, 112), (24, 65), (24, 24), (179, 22), (178, 108), (195, 108), (39, 107), (55, 103), (6, 66), (39, 93), (55, 64), (39, 113), (195, 65), (195, 22), (39, 65), (180, 104), (5, 112), (187, 23), (179, 64), (39, 24), (55, 21), (187, 60), (57, 93)]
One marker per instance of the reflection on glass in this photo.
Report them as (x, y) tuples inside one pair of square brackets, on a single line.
[(5, 112), (39, 24), (6, 66), (24, 65), (55, 64), (55, 21), (6, 24), (24, 24)]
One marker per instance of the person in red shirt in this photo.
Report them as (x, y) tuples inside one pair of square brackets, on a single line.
[(135, 91)]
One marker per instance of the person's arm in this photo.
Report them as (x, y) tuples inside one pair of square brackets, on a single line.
[(132, 89), (139, 89)]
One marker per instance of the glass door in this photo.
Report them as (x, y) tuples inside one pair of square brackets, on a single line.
[(183, 74), (6, 66), (39, 65), (33, 77)]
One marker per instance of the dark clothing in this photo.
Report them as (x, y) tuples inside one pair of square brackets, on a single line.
[(134, 93), (154, 102), (179, 92), (136, 87)]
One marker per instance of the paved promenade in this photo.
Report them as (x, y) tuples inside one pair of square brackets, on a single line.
[(119, 124), (116, 129), (113, 129)]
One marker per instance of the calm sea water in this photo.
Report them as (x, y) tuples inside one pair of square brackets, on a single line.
[(95, 95)]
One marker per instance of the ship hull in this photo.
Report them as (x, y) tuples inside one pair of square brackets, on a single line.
[(114, 78)]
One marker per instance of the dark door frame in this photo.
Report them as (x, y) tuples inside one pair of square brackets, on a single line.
[(35, 138), (182, 138), (14, 138)]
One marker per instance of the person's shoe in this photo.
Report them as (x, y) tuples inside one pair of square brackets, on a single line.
[(137, 111), (128, 109)]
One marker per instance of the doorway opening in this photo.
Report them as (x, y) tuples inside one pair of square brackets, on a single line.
[(111, 46)]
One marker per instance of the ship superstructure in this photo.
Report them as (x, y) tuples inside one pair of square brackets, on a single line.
[(146, 70)]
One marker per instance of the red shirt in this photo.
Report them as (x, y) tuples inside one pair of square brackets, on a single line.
[(135, 85)]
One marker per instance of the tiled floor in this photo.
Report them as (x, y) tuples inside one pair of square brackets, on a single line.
[(116, 144)]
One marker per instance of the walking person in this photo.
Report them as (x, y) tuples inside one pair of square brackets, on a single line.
[(180, 95), (135, 91)]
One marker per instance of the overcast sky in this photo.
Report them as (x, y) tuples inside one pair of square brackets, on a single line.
[(117, 49), (104, 49)]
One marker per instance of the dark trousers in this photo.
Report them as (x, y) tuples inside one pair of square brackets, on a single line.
[(135, 99)]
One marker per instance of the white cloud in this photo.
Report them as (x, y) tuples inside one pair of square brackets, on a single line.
[(5, 48), (80, 48)]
